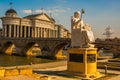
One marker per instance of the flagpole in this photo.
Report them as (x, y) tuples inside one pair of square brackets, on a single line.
[(81, 15), (10, 5)]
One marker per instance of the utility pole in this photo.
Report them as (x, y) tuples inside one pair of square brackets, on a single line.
[(108, 32)]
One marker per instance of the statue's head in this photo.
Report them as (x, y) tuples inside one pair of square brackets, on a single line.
[(77, 14)]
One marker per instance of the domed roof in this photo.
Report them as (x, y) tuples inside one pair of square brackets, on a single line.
[(11, 11)]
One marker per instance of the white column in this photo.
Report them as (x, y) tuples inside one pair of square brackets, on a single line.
[(17, 30), (35, 32), (24, 31), (38, 32), (21, 31), (5, 30), (56, 33), (14, 35), (9, 31), (41, 32), (44, 32), (49, 33), (53, 34), (32, 31)]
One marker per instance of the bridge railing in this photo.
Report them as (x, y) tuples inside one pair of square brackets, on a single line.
[(2, 38)]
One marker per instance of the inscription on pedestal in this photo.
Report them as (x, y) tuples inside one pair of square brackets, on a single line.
[(76, 57), (91, 58)]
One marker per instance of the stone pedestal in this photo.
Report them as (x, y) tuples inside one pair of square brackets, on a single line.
[(83, 61), (76, 40)]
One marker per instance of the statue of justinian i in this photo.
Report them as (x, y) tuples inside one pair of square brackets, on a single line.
[(82, 36)]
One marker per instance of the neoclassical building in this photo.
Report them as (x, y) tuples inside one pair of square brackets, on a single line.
[(31, 26), (62, 32)]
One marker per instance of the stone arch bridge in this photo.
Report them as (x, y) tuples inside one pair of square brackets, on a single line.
[(112, 45), (51, 47)]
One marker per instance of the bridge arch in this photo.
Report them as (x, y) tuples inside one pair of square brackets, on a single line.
[(57, 52), (104, 51), (32, 49), (9, 48), (45, 50)]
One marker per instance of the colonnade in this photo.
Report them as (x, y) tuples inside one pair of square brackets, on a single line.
[(18, 31)]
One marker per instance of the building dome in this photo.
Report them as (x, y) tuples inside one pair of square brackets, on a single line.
[(11, 13)]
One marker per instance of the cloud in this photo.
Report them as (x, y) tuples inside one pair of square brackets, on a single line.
[(38, 11), (47, 11), (54, 11), (61, 1), (58, 10), (27, 11)]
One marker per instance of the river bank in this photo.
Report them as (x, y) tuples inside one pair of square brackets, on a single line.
[(13, 60), (55, 70), (41, 65)]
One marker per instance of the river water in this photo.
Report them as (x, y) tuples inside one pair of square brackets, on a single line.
[(7, 60)]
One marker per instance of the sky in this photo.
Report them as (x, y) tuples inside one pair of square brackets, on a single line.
[(98, 13)]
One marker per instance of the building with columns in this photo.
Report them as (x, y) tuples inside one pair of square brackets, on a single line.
[(63, 32), (31, 26)]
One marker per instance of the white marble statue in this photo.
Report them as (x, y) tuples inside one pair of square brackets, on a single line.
[(82, 36)]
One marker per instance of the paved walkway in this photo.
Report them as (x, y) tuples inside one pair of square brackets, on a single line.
[(115, 78), (55, 67), (42, 65), (110, 71)]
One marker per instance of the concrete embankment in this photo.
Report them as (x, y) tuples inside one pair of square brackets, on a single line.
[(41, 65), (26, 71)]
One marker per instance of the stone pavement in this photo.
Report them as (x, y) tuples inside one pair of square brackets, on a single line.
[(63, 68), (42, 65), (54, 73), (52, 70), (109, 71), (19, 77), (115, 78), (112, 71)]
